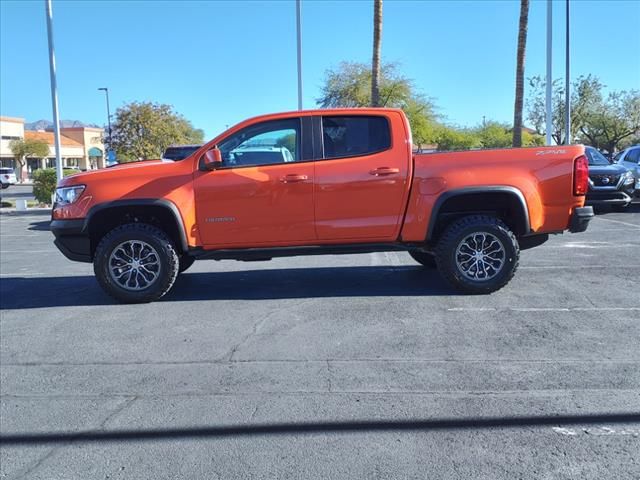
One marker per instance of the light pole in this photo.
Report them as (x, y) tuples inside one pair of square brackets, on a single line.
[(299, 50), (54, 89), (106, 91), (567, 88), (549, 83)]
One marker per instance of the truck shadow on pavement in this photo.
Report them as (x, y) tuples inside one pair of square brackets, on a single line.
[(209, 432), (40, 226), (288, 283)]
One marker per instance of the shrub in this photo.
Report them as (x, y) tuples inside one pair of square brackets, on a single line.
[(44, 183)]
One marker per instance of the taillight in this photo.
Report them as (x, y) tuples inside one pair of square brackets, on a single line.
[(7, 177), (580, 176)]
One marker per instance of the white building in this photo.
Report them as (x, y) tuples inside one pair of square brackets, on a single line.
[(81, 147)]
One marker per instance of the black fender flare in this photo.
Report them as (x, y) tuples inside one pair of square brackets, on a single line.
[(449, 194), (142, 202)]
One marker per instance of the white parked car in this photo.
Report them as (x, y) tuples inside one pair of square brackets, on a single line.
[(7, 177)]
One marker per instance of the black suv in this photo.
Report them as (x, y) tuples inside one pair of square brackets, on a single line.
[(609, 184)]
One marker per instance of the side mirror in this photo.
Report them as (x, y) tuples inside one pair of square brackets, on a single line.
[(213, 159)]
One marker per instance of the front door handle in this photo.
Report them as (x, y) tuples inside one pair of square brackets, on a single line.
[(293, 178), (380, 171)]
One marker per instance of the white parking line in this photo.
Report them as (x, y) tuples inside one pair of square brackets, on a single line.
[(620, 222), (546, 309), (51, 250), (562, 267), (634, 432), (590, 245), (25, 274), (2, 235)]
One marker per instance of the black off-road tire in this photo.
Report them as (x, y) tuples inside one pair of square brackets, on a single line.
[(456, 233), (5, 186), (168, 258), (423, 258), (185, 262)]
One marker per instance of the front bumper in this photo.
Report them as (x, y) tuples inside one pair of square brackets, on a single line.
[(580, 219), (72, 239), (616, 197)]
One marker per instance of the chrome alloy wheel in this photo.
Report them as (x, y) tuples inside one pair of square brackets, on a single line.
[(480, 256), (134, 265)]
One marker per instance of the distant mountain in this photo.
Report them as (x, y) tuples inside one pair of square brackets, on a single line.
[(45, 124)]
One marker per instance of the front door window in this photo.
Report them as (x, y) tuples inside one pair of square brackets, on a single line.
[(267, 143)]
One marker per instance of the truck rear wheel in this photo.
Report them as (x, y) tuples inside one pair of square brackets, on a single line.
[(423, 258), (136, 263), (478, 254)]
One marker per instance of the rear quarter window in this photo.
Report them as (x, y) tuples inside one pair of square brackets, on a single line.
[(345, 136)]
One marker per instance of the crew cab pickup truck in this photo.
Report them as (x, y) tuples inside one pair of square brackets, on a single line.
[(343, 181)]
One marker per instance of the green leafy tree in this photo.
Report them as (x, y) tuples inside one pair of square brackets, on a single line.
[(44, 183), (499, 135), (23, 149), (449, 138), (586, 95), (610, 123), (494, 135), (143, 130), (349, 85), (289, 142)]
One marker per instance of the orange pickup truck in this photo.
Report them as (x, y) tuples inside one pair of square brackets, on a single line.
[(319, 182)]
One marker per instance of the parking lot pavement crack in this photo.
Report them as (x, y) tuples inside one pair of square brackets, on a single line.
[(257, 325), (125, 404), (35, 465), (329, 374), (253, 413)]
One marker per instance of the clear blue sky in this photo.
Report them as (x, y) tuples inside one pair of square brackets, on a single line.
[(219, 62)]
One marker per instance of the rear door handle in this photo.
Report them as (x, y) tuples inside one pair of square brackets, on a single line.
[(293, 178), (384, 171)]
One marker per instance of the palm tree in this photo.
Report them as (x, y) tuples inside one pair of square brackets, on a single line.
[(522, 46), (375, 64)]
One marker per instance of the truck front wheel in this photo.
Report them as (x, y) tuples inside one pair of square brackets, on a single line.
[(136, 263), (478, 254)]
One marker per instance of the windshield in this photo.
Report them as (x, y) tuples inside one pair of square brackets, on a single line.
[(595, 157), (179, 153)]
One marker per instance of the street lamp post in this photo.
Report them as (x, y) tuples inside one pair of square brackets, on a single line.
[(54, 89), (106, 91), (567, 88), (299, 49), (549, 82)]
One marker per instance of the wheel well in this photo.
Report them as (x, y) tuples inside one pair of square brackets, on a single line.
[(105, 220), (506, 205)]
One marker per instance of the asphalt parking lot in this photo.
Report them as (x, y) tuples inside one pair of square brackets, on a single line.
[(359, 366), (15, 192)]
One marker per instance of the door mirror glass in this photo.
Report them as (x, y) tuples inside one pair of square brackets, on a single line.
[(213, 159)]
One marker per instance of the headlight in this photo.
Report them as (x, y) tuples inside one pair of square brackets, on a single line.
[(628, 178), (66, 195)]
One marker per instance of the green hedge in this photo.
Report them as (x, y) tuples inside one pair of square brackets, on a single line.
[(44, 183)]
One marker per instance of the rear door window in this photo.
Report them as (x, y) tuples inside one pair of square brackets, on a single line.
[(350, 136)]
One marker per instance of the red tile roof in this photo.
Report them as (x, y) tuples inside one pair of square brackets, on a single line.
[(48, 137)]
